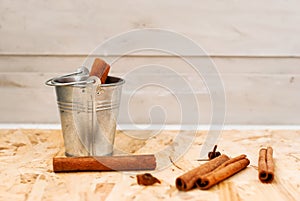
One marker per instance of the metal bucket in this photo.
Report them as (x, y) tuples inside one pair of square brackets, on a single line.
[(88, 112)]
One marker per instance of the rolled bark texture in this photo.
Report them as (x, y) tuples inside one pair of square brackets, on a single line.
[(104, 163), (187, 181), (266, 167)]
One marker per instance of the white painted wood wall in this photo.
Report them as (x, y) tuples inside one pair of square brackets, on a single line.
[(255, 45)]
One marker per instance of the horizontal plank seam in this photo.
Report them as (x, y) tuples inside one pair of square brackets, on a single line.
[(145, 55)]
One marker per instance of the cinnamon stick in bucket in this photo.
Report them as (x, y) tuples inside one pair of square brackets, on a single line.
[(100, 69)]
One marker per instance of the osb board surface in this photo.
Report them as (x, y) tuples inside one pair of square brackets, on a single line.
[(26, 168)]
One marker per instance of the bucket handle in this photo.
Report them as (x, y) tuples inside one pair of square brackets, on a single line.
[(81, 70), (52, 83)]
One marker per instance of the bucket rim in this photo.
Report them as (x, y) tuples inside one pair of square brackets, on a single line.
[(52, 82)]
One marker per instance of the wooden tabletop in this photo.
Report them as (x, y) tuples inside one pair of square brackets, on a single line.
[(26, 167)]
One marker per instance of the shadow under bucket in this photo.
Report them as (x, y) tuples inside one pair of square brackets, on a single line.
[(88, 112)]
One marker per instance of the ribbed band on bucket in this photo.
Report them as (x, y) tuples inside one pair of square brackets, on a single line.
[(79, 107)]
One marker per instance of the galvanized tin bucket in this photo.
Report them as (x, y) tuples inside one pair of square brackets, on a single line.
[(88, 112)]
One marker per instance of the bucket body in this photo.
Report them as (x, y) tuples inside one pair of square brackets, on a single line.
[(88, 113)]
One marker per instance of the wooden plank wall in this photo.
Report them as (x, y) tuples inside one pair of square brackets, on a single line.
[(255, 45)]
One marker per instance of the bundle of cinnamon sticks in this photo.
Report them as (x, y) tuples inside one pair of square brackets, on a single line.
[(212, 172)]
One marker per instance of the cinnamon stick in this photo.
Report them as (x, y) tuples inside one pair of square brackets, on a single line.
[(187, 181), (225, 170), (266, 165), (104, 163), (100, 69)]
